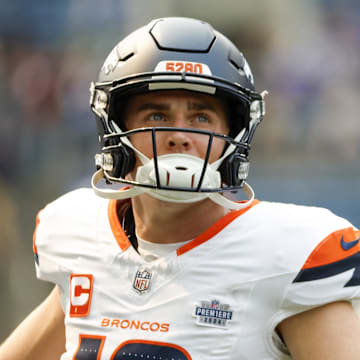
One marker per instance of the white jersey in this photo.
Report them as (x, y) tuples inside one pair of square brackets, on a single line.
[(220, 296)]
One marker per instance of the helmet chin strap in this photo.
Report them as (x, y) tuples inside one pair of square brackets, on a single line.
[(123, 193), (170, 196), (233, 205)]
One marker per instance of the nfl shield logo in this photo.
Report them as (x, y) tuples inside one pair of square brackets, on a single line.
[(142, 281)]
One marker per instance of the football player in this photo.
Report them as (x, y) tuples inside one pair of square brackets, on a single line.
[(168, 265)]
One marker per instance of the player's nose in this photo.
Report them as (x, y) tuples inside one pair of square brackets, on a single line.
[(178, 141)]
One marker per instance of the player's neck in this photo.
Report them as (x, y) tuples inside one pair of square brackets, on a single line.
[(164, 222)]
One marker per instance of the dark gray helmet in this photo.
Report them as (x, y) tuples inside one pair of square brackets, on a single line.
[(176, 53)]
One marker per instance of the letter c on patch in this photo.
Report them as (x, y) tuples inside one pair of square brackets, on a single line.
[(80, 294)]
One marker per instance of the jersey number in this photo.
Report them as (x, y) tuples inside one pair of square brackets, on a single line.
[(90, 348)]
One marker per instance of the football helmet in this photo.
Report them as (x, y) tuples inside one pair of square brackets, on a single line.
[(172, 54)]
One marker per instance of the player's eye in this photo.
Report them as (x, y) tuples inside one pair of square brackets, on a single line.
[(156, 117), (203, 118)]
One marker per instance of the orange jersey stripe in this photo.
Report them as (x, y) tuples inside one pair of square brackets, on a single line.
[(34, 234), (214, 229), (334, 248), (124, 242), (116, 227), (35, 230)]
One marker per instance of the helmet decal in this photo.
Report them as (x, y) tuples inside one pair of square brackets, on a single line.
[(248, 72), (182, 66), (111, 62)]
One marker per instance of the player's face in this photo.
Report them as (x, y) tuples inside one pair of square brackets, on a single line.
[(181, 109)]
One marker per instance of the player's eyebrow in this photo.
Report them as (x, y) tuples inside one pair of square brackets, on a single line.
[(152, 106), (191, 106), (200, 106)]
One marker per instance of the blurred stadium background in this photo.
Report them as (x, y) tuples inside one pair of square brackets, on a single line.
[(305, 53)]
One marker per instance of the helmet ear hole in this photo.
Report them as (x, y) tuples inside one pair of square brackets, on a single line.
[(123, 161)]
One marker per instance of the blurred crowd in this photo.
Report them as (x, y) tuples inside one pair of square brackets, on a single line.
[(305, 53)]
